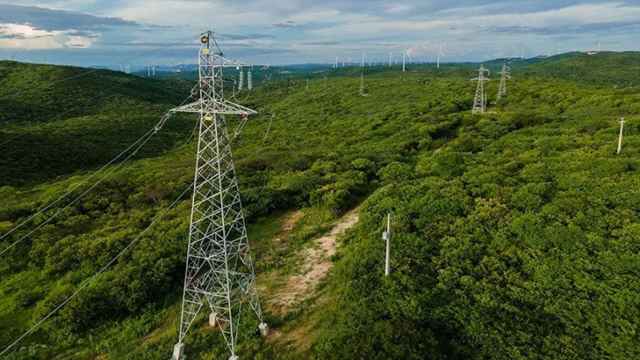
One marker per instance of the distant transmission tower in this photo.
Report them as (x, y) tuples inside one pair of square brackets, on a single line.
[(219, 269), (241, 80), (505, 74), (480, 101)]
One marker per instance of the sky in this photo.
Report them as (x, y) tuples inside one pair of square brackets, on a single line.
[(137, 32)]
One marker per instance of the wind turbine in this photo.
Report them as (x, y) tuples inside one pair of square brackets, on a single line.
[(440, 54), (404, 61), (406, 55)]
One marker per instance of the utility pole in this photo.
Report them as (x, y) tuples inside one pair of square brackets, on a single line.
[(386, 236), (390, 59), (621, 134), (480, 101), (219, 269), (505, 75)]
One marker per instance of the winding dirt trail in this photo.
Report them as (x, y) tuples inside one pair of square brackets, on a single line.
[(316, 265)]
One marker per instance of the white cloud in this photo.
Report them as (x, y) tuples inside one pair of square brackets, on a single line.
[(24, 36), (197, 13), (314, 30), (397, 8)]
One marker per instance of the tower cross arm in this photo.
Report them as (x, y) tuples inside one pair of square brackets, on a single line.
[(218, 107)]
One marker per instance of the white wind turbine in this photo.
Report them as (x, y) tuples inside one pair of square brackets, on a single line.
[(440, 54)]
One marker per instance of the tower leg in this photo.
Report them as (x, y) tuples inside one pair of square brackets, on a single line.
[(213, 319), (177, 351), (264, 329)]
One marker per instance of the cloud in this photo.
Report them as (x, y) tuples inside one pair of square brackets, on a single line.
[(20, 36), (398, 8), (49, 19), (245, 37), (30, 27), (321, 43), (287, 31), (286, 24)]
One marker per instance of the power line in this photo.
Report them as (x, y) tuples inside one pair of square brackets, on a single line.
[(266, 134), (149, 134), (59, 115), (88, 281)]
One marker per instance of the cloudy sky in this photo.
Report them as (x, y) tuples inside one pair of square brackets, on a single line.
[(137, 32)]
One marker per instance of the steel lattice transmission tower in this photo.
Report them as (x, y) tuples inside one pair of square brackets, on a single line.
[(480, 101), (219, 270), (505, 75)]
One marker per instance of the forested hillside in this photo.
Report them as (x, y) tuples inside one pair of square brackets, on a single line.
[(515, 234), (619, 69), (56, 120)]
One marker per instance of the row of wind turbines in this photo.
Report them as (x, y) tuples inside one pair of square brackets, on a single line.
[(394, 59)]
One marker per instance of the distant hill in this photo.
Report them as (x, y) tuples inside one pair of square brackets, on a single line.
[(56, 119), (39, 93), (621, 69)]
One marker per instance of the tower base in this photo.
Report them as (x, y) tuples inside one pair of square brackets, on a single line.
[(264, 329), (177, 351)]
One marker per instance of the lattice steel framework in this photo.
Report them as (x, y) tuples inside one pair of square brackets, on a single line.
[(480, 101), (219, 269), (505, 75)]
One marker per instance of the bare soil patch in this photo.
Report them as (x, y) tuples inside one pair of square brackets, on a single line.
[(315, 267)]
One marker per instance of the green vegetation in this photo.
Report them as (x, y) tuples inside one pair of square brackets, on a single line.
[(515, 233), (50, 127), (604, 69)]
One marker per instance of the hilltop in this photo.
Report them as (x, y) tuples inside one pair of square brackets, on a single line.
[(515, 233), (42, 93), (606, 68), (57, 120)]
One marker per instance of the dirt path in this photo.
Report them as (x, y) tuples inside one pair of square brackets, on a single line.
[(316, 265)]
